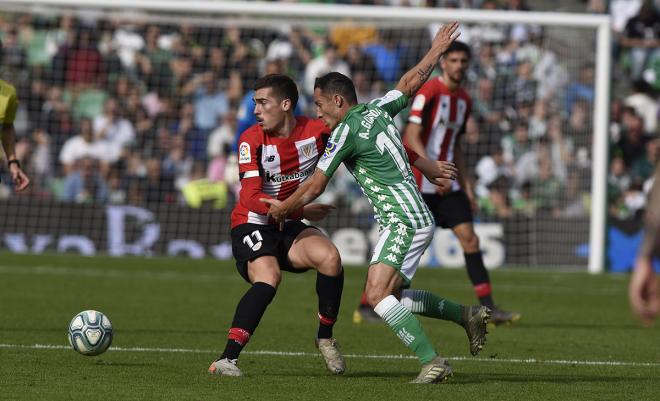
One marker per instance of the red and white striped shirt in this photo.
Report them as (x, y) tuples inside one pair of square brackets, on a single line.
[(442, 115), (273, 167)]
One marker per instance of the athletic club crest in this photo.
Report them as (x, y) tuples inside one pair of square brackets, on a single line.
[(308, 150)]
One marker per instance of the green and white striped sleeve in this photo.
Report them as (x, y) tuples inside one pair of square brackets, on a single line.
[(393, 102)]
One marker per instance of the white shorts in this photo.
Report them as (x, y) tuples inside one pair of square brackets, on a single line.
[(402, 247)]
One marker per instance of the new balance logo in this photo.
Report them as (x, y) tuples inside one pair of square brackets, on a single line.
[(270, 158), (405, 336)]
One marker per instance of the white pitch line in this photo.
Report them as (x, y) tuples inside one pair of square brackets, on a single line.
[(356, 356)]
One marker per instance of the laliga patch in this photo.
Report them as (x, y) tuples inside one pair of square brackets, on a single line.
[(329, 149), (244, 153)]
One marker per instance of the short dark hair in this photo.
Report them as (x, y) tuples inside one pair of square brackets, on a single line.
[(282, 86), (458, 46), (337, 83)]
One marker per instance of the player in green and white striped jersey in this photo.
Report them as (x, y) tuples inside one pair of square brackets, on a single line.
[(365, 139), (369, 144)]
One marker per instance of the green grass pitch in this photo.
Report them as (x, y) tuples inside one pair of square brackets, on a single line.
[(576, 340)]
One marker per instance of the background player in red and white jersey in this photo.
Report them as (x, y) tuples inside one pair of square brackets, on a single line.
[(437, 120), (275, 156)]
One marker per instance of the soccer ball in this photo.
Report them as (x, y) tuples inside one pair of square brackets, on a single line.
[(90, 333)]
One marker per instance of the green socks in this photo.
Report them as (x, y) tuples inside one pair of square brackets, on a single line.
[(406, 327), (430, 305)]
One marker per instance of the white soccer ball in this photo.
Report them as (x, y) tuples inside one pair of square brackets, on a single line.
[(90, 333)]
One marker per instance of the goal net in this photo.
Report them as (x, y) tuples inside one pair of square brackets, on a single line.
[(129, 114)]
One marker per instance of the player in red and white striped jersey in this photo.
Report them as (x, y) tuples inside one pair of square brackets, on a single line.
[(275, 156), (274, 166), (437, 118), (436, 123)]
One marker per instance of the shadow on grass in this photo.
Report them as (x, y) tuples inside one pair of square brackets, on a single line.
[(463, 379), (111, 364)]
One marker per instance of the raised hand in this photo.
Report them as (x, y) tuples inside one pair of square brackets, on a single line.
[(445, 36), (412, 80)]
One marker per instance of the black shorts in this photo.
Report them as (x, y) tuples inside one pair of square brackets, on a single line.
[(449, 210), (250, 241)]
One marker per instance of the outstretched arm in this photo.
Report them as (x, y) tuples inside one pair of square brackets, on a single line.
[(643, 291), (305, 193), (415, 78)]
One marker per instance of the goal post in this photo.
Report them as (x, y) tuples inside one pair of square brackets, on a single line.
[(274, 13)]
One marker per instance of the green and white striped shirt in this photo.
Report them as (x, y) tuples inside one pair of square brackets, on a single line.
[(369, 144)]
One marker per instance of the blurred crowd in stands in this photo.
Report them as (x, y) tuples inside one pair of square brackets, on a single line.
[(121, 111)]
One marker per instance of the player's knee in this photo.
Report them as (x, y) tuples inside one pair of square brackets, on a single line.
[(470, 243), (375, 295), (333, 261), (274, 279), (330, 262), (268, 276)]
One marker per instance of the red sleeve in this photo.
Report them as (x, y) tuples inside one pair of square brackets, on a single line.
[(412, 155), (422, 99), (249, 171), (250, 195)]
